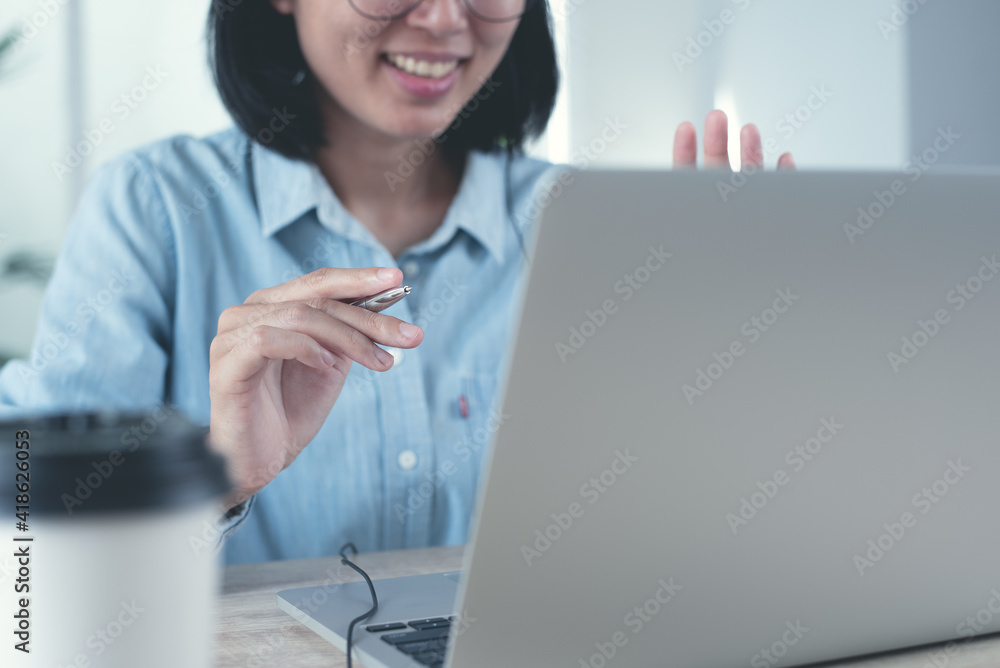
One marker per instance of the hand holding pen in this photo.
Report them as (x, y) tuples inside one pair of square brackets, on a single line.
[(279, 361)]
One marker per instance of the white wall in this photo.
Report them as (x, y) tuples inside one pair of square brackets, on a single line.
[(125, 40), (759, 68)]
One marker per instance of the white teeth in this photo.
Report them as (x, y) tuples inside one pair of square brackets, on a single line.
[(423, 68)]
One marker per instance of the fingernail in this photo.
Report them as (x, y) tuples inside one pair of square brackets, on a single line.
[(385, 274), (382, 356), (327, 357), (409, 331)]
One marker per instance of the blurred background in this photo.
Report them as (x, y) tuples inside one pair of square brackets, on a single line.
[(856, 84)]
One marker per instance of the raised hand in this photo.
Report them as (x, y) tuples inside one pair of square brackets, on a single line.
[(717, 146)]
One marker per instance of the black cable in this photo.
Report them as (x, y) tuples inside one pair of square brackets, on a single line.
[(350, 629)]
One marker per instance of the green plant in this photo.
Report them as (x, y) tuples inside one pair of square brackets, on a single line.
[(7, 44)]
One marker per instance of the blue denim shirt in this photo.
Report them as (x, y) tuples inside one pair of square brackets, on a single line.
[(167, 237)]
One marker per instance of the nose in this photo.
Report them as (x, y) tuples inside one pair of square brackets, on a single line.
[(440, 17)]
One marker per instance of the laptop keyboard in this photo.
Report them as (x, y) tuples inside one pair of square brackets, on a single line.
[(424, 640)]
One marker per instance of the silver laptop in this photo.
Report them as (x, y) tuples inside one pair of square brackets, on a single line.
[(752, 423)]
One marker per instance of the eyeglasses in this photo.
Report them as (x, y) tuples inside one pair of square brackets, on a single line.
[(496, 11)]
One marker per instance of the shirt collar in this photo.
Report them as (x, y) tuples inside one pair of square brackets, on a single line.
[(287, 189)]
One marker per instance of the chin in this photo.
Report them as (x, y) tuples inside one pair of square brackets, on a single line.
[(422, 128)]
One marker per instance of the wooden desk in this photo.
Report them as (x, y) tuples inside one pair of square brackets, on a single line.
[(252, 632)]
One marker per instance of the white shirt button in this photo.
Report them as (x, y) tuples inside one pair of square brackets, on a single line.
[(407, 460), (411, 269), (397, 354)]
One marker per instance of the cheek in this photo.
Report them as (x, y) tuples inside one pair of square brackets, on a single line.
[(331, 37)]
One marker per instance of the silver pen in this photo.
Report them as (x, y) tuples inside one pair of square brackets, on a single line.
[(382, 300)]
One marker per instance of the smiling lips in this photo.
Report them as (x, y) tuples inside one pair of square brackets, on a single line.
[(437, 69)]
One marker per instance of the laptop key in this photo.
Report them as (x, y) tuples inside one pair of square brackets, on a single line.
[(419, 646), (417, 623), (380, 628), (429, 658), (421, 626), (415, 636)]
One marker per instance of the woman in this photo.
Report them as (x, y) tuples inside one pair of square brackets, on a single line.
[(378, 143)]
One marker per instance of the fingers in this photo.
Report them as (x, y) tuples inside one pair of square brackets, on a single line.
[(266, 343), (379, 327), (333, 283), (717, 146), (685, 147), (350, 334), (751, 150), (717, 141), (383, 329)]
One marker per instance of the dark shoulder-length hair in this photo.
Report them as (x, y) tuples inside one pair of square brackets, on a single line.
[(258, 68)]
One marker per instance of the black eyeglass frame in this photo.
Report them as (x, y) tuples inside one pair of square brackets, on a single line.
[(468, 4)]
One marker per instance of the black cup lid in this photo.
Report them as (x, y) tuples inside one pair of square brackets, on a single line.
[(107, 461)]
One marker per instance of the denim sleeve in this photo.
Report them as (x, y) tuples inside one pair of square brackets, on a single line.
[(231, 520), (104, 331)]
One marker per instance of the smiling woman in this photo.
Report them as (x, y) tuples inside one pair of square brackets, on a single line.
[(246, 248), (288, 53), (377, 142)]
